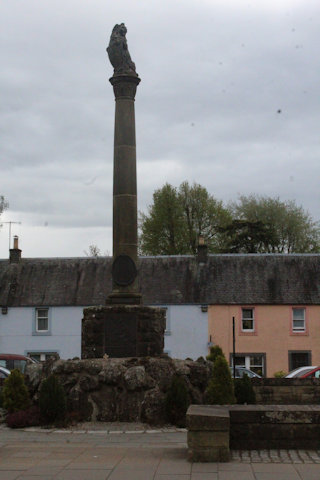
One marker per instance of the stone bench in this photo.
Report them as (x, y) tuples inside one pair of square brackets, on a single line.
[(213, 429)]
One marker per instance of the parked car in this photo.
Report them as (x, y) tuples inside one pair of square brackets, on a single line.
[(12, 360), (305, 372), (4, 373), (240, 371)]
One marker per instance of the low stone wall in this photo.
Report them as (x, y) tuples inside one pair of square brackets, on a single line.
[(121, 389), (274, 426), (211, 428), (287, 391)]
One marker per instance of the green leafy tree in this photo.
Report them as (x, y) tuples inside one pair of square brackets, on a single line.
[(243, 236), (220, 389), (178, 217), (269, 225), (3, 205), (15, 395)]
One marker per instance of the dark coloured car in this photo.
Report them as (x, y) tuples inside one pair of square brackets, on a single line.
[(11, 361)]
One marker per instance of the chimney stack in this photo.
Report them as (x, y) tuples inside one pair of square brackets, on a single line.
[(15, 252), (202, 250)]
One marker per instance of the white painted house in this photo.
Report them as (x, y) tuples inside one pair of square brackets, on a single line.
[(42, 301)]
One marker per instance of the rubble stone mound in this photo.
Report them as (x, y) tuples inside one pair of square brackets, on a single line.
[(121, 389)]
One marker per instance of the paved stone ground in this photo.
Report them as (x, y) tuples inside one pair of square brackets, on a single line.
[(136, 452)]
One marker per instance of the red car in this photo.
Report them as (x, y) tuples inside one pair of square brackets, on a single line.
[(314, 372), (11, 361)]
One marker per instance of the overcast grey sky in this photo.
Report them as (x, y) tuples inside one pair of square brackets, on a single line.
[(229, 98)]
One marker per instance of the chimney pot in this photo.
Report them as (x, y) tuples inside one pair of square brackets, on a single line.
[(15, 252), (202, 250)]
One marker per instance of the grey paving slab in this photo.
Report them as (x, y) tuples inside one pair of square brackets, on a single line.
[(7, 475), (121, 473), (177, 466), (308, 472), (83, 475), (171, 476), (204, 467), (272, 476), (273, 468), (235, 467), (236, 475), (204, 476), (40, 470), (35, 477)]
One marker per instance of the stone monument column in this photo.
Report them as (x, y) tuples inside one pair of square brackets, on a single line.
[(125, 229), (123, 327)]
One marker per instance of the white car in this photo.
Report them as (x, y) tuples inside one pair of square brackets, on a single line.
[(4, 373), (297, 372)]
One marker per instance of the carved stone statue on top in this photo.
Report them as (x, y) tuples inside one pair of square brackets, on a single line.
[(118, 52)]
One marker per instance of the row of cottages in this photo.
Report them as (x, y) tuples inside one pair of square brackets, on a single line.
[(274, 300)]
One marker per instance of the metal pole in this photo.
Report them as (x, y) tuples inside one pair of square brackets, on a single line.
[(10, 223), (234, 348)]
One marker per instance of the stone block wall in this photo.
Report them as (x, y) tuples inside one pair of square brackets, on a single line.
[(287, 391), (274, 426)]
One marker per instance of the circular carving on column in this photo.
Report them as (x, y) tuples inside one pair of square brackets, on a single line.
[(124, 270)]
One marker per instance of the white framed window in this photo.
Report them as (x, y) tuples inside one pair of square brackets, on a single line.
[(298, 319), (253, 361), (41, 321), (247, 321), (41, 356)]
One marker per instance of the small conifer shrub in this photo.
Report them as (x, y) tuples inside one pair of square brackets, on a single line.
[(15, 395), (215, 351), (220, 389), (177, 402), (243, 390), (52, 401), (279, 374)]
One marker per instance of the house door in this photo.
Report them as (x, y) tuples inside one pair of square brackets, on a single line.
[(299, 359)]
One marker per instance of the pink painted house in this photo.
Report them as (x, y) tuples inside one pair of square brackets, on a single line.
[(275, 301), (269, 338)]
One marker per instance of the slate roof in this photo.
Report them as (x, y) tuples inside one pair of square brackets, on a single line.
[(222, 279)]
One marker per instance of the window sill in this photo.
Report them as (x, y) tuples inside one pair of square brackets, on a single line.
[(248, 333), (41, 334)]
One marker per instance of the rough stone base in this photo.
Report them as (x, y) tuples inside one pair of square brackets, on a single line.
[(122, 331)]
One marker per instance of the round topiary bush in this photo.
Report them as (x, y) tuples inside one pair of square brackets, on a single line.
[(52, 401), (243, 390), (177, 402), (220, 389), (15, 395)]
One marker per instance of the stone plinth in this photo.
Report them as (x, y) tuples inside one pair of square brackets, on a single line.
[(208, 433), (122, 331)]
